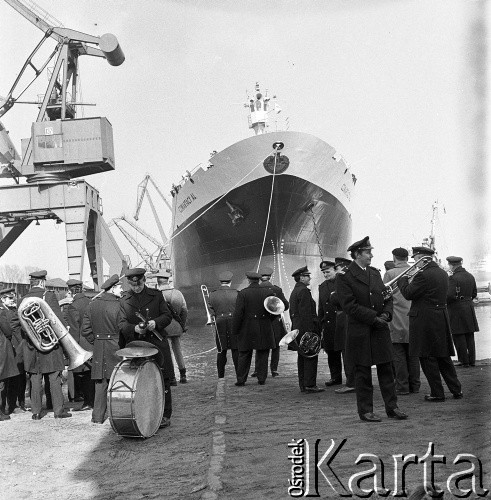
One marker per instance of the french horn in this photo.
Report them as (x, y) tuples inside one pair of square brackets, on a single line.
[(46, 331)]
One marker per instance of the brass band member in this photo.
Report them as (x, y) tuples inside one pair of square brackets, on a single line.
[(462, 291), (429, 326), (368, 342), (150, 304), (406, 367), (100, 327), (177, 305), (15, 385), (252, 327), (222, 305), (52, 363), (327, 317), (340, 264), (304, 318), (75, 311), (9, 370), (277, 323)]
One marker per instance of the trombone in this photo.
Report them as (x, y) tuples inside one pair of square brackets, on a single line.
[(211, 317), (391, 286)]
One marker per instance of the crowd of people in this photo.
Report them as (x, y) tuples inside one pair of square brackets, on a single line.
[(410, 318)]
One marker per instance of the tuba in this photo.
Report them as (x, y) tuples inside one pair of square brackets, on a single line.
[(210, 318), (46, 331), (274, 305)]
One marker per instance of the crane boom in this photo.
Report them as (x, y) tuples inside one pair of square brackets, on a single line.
[(140, 250), (142, 231)]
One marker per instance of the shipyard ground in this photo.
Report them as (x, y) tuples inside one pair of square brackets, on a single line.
[(231, 442)]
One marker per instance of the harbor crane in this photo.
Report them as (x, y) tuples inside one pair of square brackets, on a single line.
[(60, 149), (153, 264), (142, 191)]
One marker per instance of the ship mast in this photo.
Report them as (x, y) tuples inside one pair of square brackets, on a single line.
[(258, 107), (430, 241)]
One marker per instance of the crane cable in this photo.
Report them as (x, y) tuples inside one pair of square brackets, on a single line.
[(269, 210), (217, 201)]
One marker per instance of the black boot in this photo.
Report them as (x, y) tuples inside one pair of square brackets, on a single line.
[(183, 379)]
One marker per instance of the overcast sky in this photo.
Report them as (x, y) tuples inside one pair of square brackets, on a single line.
[(388, 84)]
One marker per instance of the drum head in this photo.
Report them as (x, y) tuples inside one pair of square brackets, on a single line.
[(148, 401), (137, 352), (159, 358)]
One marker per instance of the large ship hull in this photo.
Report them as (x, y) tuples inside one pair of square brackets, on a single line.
[(237, 215)]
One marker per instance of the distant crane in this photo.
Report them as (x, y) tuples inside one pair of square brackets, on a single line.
[(142, 191), (153, 263)]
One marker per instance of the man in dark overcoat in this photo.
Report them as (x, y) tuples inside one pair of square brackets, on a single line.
[(252, 327), (368, 343), (149, 303), (15, 384), (52, 363), (340, 264), (8, 365), (100, 328), (74, 315), (327, 317), (462, 291), (304, 319), (429, 326), (222, 304), (277, 322)]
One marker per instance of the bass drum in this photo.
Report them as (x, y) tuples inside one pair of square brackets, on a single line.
[(135, 398)]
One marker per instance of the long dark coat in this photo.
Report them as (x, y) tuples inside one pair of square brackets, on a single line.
[(360, 295), (153, 300), (429, 324), (222, 304), (327, 314), (302, 313), (251, 322), (74, 317), (8, 364), (277, 323), (461, 290), (100, 329), (44, 362), (341, 323)]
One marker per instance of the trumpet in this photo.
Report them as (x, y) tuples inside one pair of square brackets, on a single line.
[(210, 318), (391, 286), (46, 331)]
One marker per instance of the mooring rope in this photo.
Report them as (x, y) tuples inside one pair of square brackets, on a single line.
[(269, 211)]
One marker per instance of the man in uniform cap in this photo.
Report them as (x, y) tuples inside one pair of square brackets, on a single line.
[(74, 316), (304, 319), (177, 306), (9, 370), (252, 327), (222, 305), (429, 326), (277, 323), (327, 317), (368, 343), (100, 328), (51, 363), (340, 264), (141, 301), (406, 367), (462, 291)]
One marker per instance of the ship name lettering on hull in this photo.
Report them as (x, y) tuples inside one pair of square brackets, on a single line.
[(187, 201)]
